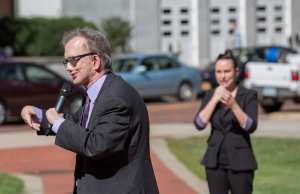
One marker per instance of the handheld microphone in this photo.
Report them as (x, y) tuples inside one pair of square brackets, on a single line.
[(63, 96)]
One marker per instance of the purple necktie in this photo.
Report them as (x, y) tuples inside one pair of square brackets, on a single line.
[(84, 118), (85, 111)]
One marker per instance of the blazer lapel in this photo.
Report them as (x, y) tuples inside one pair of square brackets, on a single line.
[(109, 78), (239, 94), (107, 82)]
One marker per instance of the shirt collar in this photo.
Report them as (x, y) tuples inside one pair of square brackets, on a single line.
[(94, 90)]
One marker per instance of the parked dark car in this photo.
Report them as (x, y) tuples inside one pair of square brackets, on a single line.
[(244, 55), (155, 75), (30, 84)]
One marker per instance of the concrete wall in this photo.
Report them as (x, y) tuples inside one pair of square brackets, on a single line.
[(250, 19), (94, 10), (38, 8), (204, 33), (295, 15), (142, 14), (147, 25)]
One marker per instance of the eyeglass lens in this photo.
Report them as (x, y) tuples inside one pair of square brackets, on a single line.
[(71, 60)]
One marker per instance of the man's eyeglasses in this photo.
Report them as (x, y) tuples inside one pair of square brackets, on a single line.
[(73, 61)]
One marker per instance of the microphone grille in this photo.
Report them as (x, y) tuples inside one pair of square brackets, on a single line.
[(66, 90), (67, 87)]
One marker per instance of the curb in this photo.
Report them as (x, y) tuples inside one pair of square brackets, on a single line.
[(160, 148), (32, 184)]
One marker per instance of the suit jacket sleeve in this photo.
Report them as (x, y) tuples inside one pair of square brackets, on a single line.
[(205, 100), (44, 124), (107, 136), (251, 109)]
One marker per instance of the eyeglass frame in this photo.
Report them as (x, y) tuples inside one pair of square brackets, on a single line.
[(66, 61)]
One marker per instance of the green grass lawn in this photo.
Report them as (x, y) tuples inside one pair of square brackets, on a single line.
[(278, 162), (10, 184)]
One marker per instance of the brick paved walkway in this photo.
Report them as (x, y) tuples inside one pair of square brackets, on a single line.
[(52, 163), (55, 166)]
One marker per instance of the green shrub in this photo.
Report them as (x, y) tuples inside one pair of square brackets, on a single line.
[(118, 33), (37, 36)]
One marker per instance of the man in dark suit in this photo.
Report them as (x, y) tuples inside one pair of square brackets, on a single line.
[(110, 132)]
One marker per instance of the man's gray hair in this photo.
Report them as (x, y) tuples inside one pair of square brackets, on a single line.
[(96, 43)]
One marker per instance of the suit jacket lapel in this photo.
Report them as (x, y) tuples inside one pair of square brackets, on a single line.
[(109, 78), (239, 94)]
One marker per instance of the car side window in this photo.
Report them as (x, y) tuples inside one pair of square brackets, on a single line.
[(11, 72), (150, 64), (39, 75), (166, 63), (123, 65)]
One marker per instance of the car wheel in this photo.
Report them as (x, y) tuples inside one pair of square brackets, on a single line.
[(2, 113), (185, 92), (75, 104), (272, 108)]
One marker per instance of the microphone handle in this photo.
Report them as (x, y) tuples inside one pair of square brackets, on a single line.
[(58, 107)]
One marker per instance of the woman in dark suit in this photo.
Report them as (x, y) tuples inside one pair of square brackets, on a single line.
[(232, 111)]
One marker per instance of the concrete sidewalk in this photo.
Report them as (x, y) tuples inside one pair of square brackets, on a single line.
[(273, 128)]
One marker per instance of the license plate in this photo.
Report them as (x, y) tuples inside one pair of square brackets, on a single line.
[(206, 86), (269, 91)]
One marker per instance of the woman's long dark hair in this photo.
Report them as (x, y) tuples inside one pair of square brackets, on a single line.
[(228, 55)]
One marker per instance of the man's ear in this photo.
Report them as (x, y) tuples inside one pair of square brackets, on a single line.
[(97, 62)]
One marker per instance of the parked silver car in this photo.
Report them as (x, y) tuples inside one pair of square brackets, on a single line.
[(155, 75)]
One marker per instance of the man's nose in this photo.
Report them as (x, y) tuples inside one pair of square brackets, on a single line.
[(69, 67)]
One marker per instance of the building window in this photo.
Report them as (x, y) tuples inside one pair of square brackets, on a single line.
[(167, 22), (232, 10), (184, 22), (232, 20), (184, 33), (261, 19), (167, 33), (167, 11), (215, 32), (184, 11), (215, 10), (261, 8), (278, 19), (215, 21), (261, 30), (278, 30), (278, 8)]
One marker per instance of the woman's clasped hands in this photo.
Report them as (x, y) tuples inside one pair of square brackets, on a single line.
[(226, 98)]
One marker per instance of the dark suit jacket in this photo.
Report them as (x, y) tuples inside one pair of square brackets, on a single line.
[(240, 154), (113, 154)]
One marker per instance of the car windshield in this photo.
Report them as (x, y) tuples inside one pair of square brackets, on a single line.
[(123, 65), (243, 55)]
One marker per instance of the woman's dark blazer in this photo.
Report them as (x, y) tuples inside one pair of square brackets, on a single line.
[(237, 140)]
